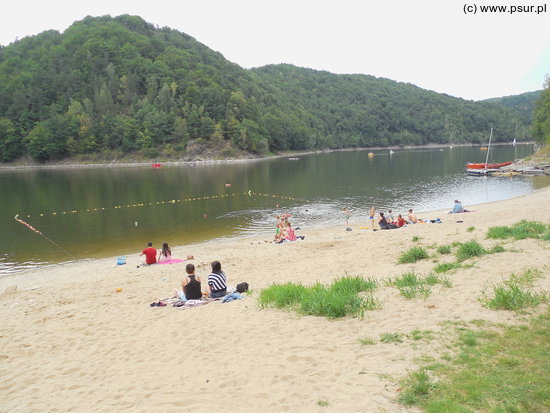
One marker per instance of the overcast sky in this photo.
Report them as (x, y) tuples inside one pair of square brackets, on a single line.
[(430, 43)]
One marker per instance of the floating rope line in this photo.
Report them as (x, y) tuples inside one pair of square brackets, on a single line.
[(29, 226), (169, 202)]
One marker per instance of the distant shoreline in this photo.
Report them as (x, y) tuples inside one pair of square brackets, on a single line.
[(68, 164)]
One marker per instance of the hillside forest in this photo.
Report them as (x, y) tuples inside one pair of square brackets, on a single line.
[(116, 86)]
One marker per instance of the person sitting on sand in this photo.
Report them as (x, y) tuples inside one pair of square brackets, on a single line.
[(400, 221), (191, 285), (165, 253), (217, 281), (290, 234), (383, 222), (280, 234), (150, 254), (389, 216), (412, 217), (458, 208)]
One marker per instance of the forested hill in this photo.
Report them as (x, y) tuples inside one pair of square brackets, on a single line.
[(116, 86), (523, 103)]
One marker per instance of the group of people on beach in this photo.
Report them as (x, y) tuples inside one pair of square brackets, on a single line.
[(164, 254), (192, 284), (385, 220), (388, 221), (284, 231)]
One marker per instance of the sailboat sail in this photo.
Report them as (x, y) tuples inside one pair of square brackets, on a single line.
[(487, 165)]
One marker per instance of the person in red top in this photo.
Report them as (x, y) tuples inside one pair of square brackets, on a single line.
[(400, 221), (150, 254)]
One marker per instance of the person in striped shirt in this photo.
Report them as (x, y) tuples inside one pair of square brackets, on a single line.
[(217, 281)]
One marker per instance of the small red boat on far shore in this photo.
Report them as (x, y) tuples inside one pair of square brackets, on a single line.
[(483, 165)]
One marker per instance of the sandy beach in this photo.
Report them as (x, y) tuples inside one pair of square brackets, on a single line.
[(71, 343)]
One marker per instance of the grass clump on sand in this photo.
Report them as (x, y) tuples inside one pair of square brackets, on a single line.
[(468, 250), (446, 266), (354, 284), (339, 299), (513, 294), (411, 285), (418, 385), (413, 255), (367, 341), (426, 335), (280, 296), (394, 338), (444, 249), (521, 230), (504, 371)]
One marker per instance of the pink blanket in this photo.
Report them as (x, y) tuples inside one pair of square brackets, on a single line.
[(172, 261)]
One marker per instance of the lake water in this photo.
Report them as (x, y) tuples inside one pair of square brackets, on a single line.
[(100, 212)]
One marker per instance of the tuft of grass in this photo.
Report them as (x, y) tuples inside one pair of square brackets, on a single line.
[(413, 255), (322, 403), (321, 301), (391, 338), (418, 386), (499, 232), (354, 284), (521, 230), (446, 266), (444, 249), (282, 295), (367, 341), (513, 295), (340, 299), (426, 335), (470, 229), (411, 285), (468, 250), (416, 238), (409, 279), (413, 292), (497, 248), (527, 277), (432, 279), (370, 303)]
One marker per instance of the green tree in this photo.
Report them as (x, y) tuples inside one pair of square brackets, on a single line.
[(11, 146), (541, 119)]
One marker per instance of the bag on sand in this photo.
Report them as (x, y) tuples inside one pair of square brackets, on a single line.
[(242, 287)]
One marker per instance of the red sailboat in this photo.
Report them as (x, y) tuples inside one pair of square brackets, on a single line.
[(480, 167), (471, 165)]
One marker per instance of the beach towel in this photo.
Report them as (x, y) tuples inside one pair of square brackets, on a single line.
[(184, 305), (461, 212), (232, 297), (172, 261)]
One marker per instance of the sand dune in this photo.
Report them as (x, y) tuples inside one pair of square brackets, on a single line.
[(70, 342)]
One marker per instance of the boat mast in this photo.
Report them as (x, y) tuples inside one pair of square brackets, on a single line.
[(489, 147)]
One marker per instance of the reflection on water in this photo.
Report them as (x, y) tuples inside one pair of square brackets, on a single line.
[(114, 211)]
